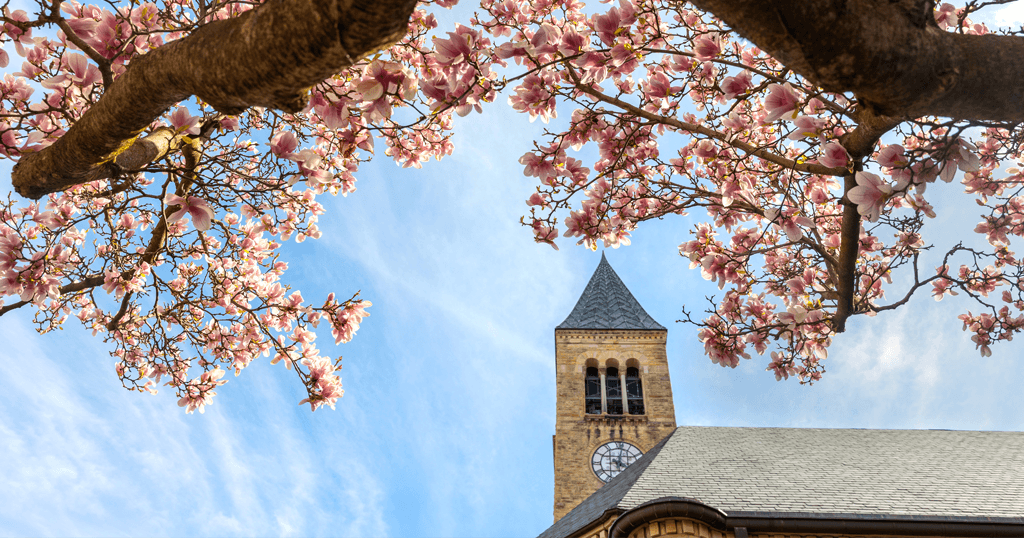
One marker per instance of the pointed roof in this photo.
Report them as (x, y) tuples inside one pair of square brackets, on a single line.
[(606, 303)]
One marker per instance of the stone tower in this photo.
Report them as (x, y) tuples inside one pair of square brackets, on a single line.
[(614, 397)]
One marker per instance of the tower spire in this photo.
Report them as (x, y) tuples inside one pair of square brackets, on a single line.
[(606, 303)]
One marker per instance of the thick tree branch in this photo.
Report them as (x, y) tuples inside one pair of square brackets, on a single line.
[(88, 282), (859, 143), (889, 53), (268, 57)]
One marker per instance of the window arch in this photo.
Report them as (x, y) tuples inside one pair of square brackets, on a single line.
[(634, 391), (593, 392), (613, 391)]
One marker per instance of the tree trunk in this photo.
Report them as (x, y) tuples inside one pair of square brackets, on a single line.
[(890, 53)]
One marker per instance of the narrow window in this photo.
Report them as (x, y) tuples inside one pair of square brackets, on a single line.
[(613, 390), (634, 392), (593, 391)]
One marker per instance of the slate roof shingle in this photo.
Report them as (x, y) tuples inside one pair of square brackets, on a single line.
[(937, 474), (606, 303)]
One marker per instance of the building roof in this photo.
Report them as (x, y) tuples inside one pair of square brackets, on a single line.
[(933, 475), (606, 303)]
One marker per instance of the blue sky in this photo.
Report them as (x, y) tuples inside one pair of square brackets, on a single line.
[(445, 427)]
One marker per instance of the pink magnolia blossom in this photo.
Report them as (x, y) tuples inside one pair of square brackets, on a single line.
[(707, 46), (735, 122), (537, 200), (946, 16), (737, 85), (572, 43), (284, 144), (201, 212), (892, 156), (607, 25), (782, 99), (705, 149), (183, 122), (790, 224), (833, 155), (870, 194), (806, 126), (457, 48), (199, 394)]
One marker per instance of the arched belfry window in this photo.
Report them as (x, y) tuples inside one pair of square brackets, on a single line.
[(593, 392), (634, 391), (613, 391)]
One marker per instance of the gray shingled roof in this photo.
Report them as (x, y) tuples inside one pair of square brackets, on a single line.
[(606, 303), (750, 472)]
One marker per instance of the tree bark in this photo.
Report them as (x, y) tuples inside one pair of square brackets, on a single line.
[(269, 56), (889, 53)]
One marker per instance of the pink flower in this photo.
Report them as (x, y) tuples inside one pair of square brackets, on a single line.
[(184, 122), (920, 204), (833, 155), (793, 315), (515, 49), (537, 199), (201, 212), (891, 156), (229, 123), (969, 161), (572, 43), (370, 90), (199, 394), (283, 144), (735, 121), (607, 25), (661, 86), (869, 195), (705, 149), (789, 224), (807, 126), (456, 48), (946, 16), (707, 46), (781, 99), (733, 86)]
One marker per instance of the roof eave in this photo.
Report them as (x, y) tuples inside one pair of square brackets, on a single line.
[(811, 523)]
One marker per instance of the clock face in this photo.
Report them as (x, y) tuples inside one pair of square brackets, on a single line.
[(611, 458)]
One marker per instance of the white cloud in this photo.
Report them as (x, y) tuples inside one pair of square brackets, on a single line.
[(1011, 15)]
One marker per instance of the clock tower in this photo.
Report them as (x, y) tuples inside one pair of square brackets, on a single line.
[(614, 398)]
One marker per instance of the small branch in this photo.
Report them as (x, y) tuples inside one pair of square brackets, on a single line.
[(10, 307), (694, 128), (121, 312)]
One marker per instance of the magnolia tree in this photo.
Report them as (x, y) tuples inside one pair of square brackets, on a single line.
[(159, 228)]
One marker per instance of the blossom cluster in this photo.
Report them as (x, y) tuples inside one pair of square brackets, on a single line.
[(664, 111)]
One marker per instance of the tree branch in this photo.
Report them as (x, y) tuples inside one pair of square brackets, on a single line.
[(750, 149), (269, 56)]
